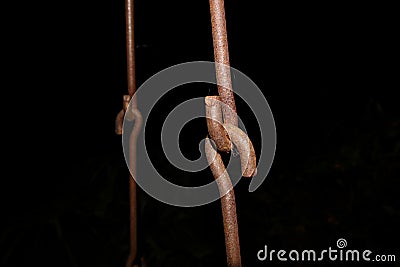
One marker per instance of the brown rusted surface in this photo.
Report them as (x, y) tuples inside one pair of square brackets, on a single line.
[(130, 49), (246, 150), (132, 114), (228, 205), (221, 55), (223, 134), (119, 120), (132, 186), (214, 124), (125, 101)]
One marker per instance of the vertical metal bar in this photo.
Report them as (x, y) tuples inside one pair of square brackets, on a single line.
[(130, 49), (221, 56), (225, 91), (131, 75), (228, 205), (132, 188)]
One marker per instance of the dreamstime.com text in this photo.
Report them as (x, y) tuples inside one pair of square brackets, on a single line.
[(330, 254)]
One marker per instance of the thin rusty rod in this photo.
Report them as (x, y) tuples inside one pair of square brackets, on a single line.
[(130, 49), (214, 124), (228, 205), (131, 75), (221, 57), (132, 186)]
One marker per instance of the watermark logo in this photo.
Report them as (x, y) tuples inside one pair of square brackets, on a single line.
[(341, 243), (152, 90), (330, 254)]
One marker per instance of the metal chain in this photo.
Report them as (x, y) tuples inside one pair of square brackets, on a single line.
[(222, 124)]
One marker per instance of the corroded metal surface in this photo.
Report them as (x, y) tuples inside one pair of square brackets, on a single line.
[(223, 134), (246, 150), (131, 114), (228, 205), (130, 49), (132, 186), (214, 124), (221, 55)]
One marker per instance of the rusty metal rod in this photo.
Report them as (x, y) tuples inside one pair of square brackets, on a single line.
[(130, 49), (132, 186), (131, 75), (228, 205), (217, 131), (214, 124), (221, 57)]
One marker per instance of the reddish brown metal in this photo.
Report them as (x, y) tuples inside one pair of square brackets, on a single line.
[(120, 117), (119, 120), (227, 203), (214, 124), (223, 134), (133, 113), (246, 150), (130, 49), (221, 55), (132, 186)]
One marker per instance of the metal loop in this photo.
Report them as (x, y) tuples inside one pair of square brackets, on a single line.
[(214, 124), (246, 150), (224, 134), (131, 114)]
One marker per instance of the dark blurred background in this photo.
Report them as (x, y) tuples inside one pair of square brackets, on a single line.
[(327, 71)]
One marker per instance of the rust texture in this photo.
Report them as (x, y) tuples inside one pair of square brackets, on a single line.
[(228, 205), (119, 122), (221, 56), (246, 150), (214, 124), (218, 133), (131, 114), (132, 187), (130, 49), (223, 134)]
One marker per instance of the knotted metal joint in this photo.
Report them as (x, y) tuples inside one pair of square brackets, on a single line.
[(131, 114), (224, 134), (227, 136)]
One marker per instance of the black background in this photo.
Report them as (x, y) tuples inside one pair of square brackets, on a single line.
[(327, 71)]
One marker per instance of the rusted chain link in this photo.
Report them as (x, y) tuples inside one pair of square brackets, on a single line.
[(224, 134), (222, 123)]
